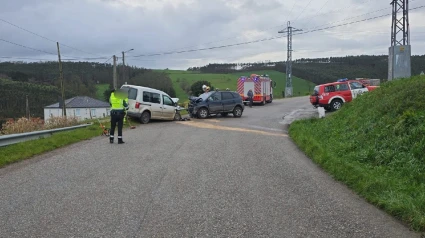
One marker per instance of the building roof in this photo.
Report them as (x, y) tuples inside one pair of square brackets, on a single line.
[(81, 102)]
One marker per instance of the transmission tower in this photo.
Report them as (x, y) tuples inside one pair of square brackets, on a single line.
[(289, 29), (399, 65)]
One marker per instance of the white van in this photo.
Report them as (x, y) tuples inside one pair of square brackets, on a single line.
[(148, 103)]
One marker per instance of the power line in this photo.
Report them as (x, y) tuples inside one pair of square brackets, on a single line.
[(108, 60), (265, 39), (53, 60), (206, 43), (44, 37), (27, 47), (303, 10), (266, 29), (322, 7)]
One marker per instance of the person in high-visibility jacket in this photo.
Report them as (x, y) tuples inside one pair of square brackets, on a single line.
[(118, 107)]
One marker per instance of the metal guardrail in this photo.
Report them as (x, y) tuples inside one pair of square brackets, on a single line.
[(21, 137)]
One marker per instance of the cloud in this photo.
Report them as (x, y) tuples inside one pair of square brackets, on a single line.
[(102, 28)]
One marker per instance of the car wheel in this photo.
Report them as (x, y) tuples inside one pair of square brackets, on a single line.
[(145, 117), (203, 113), (237, 112), (224, 114), (177, 116), (336, 104)]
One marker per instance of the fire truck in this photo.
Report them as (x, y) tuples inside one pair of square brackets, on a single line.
[(261, 85)]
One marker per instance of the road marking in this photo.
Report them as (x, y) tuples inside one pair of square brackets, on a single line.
[(216, 127)]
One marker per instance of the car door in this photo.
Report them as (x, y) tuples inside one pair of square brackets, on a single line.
[(168, 108), (344, 91), (228, 101), (215, 104), (156, 105), (357, 89)]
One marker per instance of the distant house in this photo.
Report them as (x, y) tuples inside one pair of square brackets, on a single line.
[(81, 106)]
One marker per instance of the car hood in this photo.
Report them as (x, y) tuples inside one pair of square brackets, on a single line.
[(195, 100)]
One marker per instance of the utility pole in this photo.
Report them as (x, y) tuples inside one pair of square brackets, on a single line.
[(27, 108), (289, 30), (62, 84), (115, 72), (123, 65), (399, 63)]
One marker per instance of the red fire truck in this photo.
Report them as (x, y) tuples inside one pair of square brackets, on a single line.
[(261, 85)]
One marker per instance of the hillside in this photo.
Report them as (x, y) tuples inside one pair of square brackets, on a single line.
[(40, 81), (184, 79), (322, 70), (376, 145), (13, 100)]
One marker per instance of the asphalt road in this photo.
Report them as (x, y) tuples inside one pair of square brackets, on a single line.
[(219, 177)]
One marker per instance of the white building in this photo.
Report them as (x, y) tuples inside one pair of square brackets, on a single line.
[(81, 106)]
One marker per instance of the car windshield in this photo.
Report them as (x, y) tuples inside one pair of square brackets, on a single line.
[(204, 96)]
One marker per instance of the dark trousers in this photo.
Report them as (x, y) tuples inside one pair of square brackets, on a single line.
[(116, 117)]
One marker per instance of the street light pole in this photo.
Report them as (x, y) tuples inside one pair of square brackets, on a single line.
[(123, 64)]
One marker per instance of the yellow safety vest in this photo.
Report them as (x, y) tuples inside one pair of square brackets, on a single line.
[(116, 103)]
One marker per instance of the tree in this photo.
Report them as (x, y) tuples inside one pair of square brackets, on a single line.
[(196, 87)]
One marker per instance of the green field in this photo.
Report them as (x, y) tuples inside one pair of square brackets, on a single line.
[(223, 81), (375, 144), (100, 89)]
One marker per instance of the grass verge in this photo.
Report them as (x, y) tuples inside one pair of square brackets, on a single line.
[(25, 150), (376, 145)]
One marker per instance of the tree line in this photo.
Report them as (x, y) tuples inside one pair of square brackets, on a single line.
[(321, 70), (40, 81), (14, 94)]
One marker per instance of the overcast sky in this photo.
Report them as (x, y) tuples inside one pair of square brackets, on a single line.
[(102, 28)]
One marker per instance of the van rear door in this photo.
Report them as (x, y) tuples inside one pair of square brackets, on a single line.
[(132, 99)]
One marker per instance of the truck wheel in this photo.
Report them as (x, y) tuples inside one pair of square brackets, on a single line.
[(237, 112), (145, 117), (203, 113), (336, 104)]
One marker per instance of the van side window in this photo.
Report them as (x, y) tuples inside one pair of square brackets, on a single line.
[(132, 93), (146, 97), (167, 101), (155, 98)]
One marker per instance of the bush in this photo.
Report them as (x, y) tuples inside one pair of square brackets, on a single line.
[(23, 124), (196, 87), (58, 122)]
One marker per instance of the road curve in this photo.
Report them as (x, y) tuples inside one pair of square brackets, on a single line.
[(219, 177)]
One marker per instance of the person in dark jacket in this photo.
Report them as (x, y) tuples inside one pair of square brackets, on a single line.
[(250, 97)]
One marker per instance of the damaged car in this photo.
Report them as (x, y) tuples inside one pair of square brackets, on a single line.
[(216, 102)]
